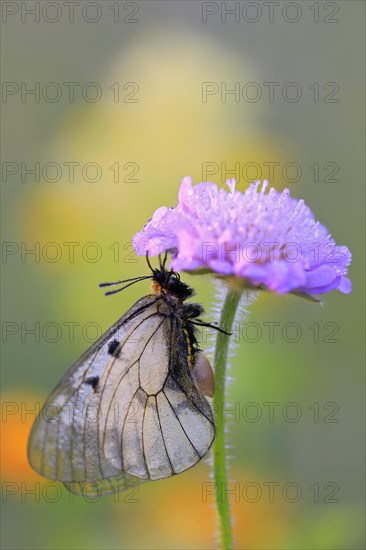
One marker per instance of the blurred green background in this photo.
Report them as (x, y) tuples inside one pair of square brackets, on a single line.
[(148, 62)]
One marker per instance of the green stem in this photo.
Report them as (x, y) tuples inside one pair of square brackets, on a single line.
[(220, 471)]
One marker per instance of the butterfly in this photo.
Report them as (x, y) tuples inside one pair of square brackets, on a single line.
[(133, 407)]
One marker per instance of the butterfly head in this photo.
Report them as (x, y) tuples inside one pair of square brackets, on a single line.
[(164, 282), (168, 283)]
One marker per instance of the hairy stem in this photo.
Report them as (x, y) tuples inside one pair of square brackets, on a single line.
[(220, 459)]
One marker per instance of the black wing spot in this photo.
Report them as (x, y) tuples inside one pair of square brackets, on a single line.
[(93, 381), (114, 348)]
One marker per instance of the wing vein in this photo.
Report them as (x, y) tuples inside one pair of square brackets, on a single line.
[(142, 439), (124, 423), (162, 434)]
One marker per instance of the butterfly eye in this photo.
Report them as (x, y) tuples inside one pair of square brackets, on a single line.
[(173, 276)]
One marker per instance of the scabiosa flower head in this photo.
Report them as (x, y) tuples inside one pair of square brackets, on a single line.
[(267, 239)]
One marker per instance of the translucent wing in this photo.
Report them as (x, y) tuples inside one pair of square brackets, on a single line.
[(127, 411), (65, 439)]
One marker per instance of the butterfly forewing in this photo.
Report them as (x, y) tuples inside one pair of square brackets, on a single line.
[(64, 439), (127, 411)]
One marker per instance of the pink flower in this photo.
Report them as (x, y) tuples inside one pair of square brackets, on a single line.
[(270, 240)]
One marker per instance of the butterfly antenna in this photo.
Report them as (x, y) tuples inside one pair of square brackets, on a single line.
[(165, 259), (148, 262), (125, 286), (160, 263), (136, 279)]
